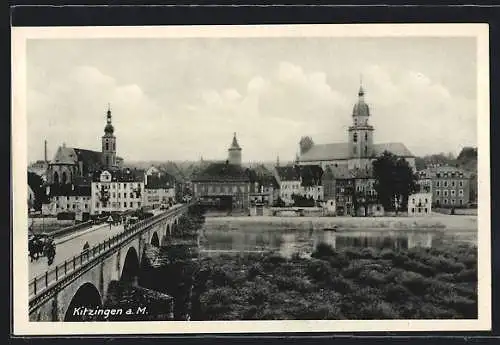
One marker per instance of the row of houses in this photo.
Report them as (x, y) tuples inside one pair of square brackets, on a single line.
[(91, 182), (109, 191)]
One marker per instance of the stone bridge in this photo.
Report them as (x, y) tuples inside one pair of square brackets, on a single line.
[(84, 281)]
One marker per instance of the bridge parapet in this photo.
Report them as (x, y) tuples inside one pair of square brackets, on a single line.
[(42, 287)]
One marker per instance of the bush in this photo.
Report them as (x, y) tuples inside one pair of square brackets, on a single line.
[(396, 293), (419, 267), (255, 270), (341, 285), (387, 254), (323, 251), (320, 271), (414, 282), (467, 275)]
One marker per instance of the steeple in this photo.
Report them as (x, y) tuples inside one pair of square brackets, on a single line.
[(108, 143), (278, 160), (109, 129), (235, 145), (360, 133), (361, 92), (234, 152)]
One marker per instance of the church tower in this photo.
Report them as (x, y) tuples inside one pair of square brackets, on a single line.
[(360, 141), (234, 152), (109, 144)]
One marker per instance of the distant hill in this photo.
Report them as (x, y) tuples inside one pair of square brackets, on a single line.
[(466, 159), (186, 170)]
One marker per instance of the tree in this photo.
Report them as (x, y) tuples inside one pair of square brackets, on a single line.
[(394, 181), (305, 144)]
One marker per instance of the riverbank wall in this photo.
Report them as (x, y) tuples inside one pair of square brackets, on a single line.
[(437, 222)]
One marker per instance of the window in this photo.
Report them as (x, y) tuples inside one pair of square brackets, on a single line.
[(453, 201), (461, 192), (461, 202), (412, 210), (452, 192), (86, 206), (453, 183), (445, 201), (438, 192), (130, 204), (97, 205), (124, 204), (67, 198), (107, 146), (114, 195), (425, 210), (445, 184), (131, 195), (413, 201), (366, 136), (426, 200), (445, 193), (437, 183)]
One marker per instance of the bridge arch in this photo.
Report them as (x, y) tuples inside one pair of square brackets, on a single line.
[(155, 240), (87, 296), (130, 267)]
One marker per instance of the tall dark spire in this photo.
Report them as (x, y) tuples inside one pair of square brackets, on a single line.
[(234, 144), (109, 129), (361, 92)]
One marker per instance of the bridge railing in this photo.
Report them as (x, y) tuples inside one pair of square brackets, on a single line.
[(43, 282)]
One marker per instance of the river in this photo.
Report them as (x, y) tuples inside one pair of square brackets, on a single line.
[(215, 238)]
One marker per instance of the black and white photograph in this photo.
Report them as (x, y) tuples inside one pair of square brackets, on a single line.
[(251, 179)]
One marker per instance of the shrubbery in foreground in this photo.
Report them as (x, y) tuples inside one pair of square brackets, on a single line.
[(352, 283)]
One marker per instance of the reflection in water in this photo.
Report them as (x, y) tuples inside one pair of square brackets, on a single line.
[(290, 241)]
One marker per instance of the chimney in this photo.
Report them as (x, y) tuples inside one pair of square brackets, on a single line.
[(45, 152)]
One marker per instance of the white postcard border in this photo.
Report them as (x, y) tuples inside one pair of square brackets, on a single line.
[(21, 323)]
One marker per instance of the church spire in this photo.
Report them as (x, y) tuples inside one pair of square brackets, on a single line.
[(109, 129), (361, 91), (235, 145)]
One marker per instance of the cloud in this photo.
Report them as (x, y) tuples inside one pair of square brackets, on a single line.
[(270, 109), (72, 110)]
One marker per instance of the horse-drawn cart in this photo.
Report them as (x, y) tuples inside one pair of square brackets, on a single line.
[(41, 245)]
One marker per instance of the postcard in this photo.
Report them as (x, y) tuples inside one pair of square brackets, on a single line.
[(229, 179)]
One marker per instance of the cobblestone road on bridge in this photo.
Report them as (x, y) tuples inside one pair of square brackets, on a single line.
[(72, 245)]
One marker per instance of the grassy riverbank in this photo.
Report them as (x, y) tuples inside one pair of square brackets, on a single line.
[(348, 284)]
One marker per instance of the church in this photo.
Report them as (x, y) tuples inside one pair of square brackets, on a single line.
[(70, 163), (358, 152)]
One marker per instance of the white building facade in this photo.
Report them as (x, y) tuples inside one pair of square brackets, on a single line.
[(420, 204), (110, 194)]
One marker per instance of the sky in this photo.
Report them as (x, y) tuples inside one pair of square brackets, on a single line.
[(182, 98)]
